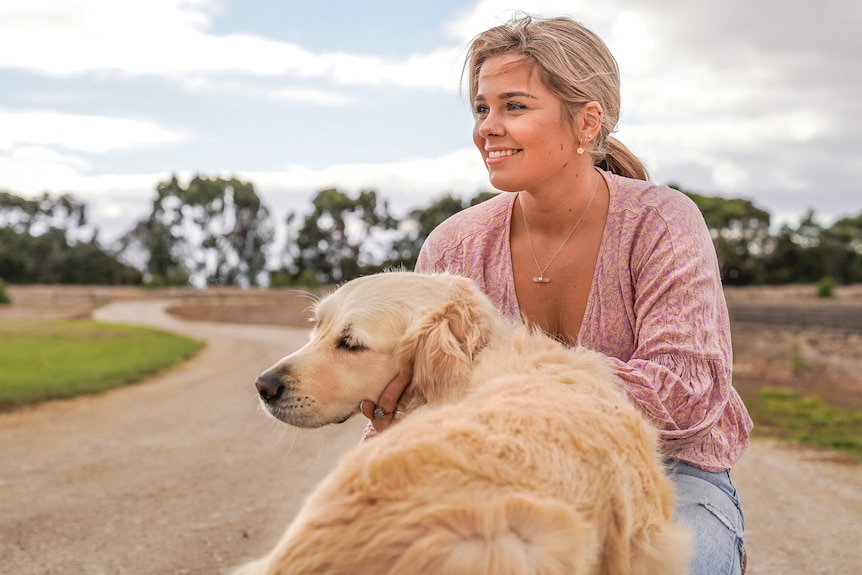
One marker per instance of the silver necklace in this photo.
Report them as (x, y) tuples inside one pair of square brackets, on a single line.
[(541, 279)]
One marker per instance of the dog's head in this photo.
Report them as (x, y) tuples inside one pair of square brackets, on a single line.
[(372, 328)]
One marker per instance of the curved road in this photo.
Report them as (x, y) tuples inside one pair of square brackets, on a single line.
[(184, 475), (179, 475)]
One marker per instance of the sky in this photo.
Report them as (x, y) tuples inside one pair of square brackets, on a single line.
[(105, 99)]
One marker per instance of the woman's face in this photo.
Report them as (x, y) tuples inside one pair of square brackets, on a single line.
[(520, 129)]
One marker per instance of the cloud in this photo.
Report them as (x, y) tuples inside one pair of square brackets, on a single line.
[(73, 36), (245, 88), (487, 13), (169, 38), (408, 184), (93, 134), (32, 170)]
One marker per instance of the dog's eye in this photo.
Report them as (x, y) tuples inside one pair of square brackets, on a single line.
[(347, 344)]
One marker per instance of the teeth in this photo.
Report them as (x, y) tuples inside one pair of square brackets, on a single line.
[(501, 153)]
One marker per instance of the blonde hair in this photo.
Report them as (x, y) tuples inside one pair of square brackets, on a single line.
[(575, 64)]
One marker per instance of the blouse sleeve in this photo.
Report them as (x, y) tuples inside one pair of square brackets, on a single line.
[(679, 373)]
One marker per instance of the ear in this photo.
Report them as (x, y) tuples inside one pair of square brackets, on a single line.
[(589, 119), (441, 345)]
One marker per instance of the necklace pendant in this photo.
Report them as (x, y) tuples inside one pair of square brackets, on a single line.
[(541, 280)]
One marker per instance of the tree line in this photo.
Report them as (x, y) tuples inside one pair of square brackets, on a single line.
[(217, 231)]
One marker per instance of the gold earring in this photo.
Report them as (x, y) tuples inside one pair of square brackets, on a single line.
[(580, 149)]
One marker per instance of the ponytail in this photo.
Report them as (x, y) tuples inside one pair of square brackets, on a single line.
[(620, 161)]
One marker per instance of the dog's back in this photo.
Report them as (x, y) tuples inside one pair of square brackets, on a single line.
[(526, 475)]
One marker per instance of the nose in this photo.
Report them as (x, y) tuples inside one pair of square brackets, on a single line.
[(487, 129), (269, 387)]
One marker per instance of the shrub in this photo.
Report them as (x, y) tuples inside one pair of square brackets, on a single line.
[(4, 297), (826, 287), (282, 279)]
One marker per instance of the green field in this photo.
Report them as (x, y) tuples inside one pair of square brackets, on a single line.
[(55, 359), (808, 420)]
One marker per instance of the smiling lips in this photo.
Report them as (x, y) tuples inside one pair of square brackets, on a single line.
[(494, 154)]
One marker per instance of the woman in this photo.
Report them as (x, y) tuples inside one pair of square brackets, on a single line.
[(584, 247)]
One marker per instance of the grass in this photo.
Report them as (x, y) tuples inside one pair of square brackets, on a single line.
[(798, 364), (808, 420), (54, 359)]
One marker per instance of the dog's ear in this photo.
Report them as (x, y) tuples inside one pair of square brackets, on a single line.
[(441, 344)]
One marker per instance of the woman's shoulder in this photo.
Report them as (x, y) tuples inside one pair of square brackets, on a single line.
[(640, 198), (476, 234), (644, 215), (481, 219)]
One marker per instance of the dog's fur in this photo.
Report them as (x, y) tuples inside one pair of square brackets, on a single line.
[(527, 459)]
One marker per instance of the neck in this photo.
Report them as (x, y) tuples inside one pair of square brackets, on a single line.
[(550, 211)]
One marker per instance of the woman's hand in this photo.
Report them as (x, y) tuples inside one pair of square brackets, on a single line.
[(393, 400)]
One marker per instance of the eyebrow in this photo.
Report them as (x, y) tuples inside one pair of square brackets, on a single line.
[(507, 95)]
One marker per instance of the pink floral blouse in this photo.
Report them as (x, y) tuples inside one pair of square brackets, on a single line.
[(656, 308)]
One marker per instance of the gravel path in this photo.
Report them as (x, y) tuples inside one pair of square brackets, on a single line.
[(184, 475)]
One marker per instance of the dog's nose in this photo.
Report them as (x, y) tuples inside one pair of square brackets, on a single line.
[(269, 387)]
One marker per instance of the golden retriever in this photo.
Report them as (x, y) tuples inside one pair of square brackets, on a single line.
[(526, 458)]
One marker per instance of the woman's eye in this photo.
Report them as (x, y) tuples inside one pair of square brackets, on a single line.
[(515, 106), (480, 111)]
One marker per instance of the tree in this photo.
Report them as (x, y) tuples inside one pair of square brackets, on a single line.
[(842, 246), (36, 216), (154, 244), (43, 240), (4, 297), (213, 232), (796, 255), (740, 232), (421, 222), (341, 239)]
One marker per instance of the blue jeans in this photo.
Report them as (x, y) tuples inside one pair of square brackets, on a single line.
[(708, 505)]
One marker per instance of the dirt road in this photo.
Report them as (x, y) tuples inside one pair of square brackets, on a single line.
[(179, 475), (184, 475)]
